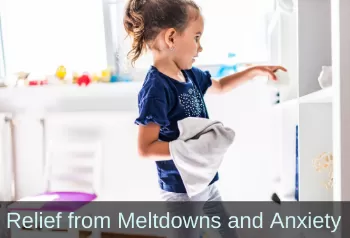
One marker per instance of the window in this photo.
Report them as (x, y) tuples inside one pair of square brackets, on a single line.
[(88, 35), (117, 42), (235, 26), (40, 35)]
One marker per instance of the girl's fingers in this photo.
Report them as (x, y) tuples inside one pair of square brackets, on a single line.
[(275, 68), (272, 75)]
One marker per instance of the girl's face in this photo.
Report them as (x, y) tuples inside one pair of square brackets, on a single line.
[(187, 45)]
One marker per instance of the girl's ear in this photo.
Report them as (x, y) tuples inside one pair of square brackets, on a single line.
[(170, 36)]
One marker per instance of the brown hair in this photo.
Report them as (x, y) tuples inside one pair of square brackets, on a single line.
[(144, 19)]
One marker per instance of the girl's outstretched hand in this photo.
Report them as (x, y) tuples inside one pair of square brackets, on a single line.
[(267, 71)]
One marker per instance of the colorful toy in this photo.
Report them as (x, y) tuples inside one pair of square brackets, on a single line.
[(61, 72), (95, 78), (62, 76), (106, 76), (38, 82), (84, 80), (75, 78), (22, 76), (114, 78)]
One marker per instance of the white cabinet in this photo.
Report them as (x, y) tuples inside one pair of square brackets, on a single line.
[(315, 35), (341, 98), (103, 112), (315, 117), (123, 175)]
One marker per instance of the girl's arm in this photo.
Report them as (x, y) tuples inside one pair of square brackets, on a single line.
[(230, 82), (148, 145)]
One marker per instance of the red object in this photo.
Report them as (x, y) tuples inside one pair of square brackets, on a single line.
[(84, 79), (44, 82), (33, 83), (37, 82)]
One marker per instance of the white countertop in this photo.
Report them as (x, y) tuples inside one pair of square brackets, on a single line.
[(120, 96)]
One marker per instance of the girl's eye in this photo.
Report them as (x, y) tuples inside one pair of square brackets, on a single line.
[(197, 38)]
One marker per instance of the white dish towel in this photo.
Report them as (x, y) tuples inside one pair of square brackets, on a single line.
[(199, 151)]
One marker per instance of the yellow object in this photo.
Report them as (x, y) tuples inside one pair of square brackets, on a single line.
[(75, 77), (95, 78), (106, 73), (325, 161), (61, 72), (22, 75)]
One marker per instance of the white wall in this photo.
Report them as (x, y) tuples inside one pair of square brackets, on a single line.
[(250, 165)]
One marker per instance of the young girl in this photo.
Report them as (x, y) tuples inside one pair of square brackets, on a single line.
[(173, 89)]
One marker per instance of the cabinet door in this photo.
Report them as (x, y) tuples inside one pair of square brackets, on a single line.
[(6, 158), (123, 175), (28, 155)]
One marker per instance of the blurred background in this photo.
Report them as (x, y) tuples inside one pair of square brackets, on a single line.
[(44, 124)]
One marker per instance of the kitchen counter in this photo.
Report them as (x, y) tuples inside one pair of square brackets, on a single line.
[(120, 96)]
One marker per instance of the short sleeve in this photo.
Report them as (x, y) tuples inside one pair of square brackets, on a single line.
[(152, 110), (203, 79), (206, 81), (153, 106)]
